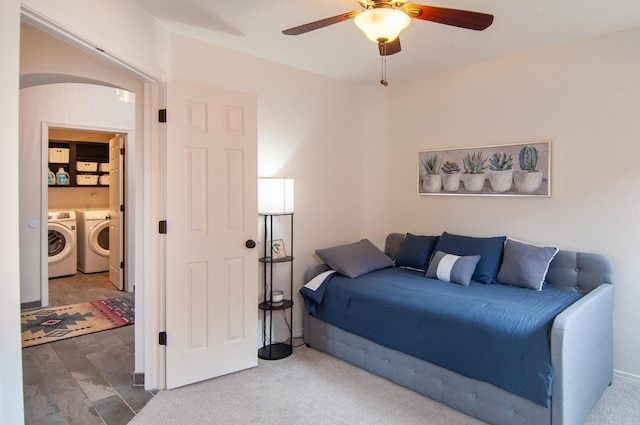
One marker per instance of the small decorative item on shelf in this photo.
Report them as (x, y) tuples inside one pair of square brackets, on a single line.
[(277, 249), (277, 298)]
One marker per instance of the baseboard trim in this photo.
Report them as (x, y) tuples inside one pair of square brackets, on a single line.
[(626, 377), (31, 305)]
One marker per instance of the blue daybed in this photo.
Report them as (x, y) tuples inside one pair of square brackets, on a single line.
[(435, 315)]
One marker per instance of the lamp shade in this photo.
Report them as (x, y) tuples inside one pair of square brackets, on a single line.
[(275, 195), (383, 24)]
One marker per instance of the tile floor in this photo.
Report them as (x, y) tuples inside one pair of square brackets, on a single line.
[(87, 380)]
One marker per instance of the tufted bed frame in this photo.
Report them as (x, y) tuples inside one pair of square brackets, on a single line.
[(581, 351)]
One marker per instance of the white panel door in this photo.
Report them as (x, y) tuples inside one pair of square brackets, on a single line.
[(211, 303), (116, 199)]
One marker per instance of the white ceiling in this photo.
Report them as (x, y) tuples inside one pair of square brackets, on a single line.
[(342, 51)]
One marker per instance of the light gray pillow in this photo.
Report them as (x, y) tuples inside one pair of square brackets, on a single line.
[(452, 268), (524, 264), (355, 259)]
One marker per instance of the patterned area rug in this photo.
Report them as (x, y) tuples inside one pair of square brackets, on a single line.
[(56, 323)]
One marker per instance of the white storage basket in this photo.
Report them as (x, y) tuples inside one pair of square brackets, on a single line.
[(87, 166), (104, 180), (104, 167), (86, 180), (59, 155)]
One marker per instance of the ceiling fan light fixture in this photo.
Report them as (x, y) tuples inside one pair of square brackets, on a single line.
[(382, 25)]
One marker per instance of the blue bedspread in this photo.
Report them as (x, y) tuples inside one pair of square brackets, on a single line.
[(493, 333)]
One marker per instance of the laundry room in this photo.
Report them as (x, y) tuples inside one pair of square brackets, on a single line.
[(77, 195), (78, 179), (70, 109)]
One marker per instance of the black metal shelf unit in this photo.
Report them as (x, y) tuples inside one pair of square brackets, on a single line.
[(270, 349)]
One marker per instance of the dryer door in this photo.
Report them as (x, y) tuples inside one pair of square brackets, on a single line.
[(61, 240), (99, 238)]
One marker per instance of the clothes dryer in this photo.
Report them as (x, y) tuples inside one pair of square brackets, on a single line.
[(93, 241), (63, 259)]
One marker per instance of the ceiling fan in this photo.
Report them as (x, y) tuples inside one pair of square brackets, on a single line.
[(382, 21)]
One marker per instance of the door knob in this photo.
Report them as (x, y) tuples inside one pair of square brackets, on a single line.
[(250, 243)]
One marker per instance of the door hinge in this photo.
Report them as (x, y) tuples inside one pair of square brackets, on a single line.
[(162, 115), (121, 208), (121, 151), (162, 338), (122, 265), (162, 227)]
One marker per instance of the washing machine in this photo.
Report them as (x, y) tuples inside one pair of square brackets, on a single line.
[(63, 258), (93, 241)]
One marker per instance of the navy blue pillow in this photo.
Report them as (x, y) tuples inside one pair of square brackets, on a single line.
[(489, 249), (416, 251)]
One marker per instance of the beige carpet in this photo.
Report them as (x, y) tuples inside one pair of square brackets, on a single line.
[(311, 387)]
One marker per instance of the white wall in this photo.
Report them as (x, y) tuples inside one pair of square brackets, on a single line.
[(78, 198), (122, 28), (584, 97), (10, 354)]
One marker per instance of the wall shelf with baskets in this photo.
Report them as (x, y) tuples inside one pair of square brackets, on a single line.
[(86, 163)]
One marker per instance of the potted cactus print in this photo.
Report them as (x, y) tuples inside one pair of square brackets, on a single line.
[(501, 171), (528, 179), (516, 170), (431, 180), (450, 176)]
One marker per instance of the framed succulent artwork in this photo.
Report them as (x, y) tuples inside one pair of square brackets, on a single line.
[(522, 169)]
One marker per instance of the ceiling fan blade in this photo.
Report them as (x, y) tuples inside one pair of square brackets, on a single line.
[(389, 48), (454, 17), (320, 24)]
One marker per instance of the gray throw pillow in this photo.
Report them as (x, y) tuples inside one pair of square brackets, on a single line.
[(524, 264), (355, 259), (452, 268)]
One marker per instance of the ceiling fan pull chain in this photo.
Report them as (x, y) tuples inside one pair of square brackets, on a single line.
[(383, 81)]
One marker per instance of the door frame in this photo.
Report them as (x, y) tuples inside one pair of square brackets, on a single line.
[(44, 202), (146, 209)]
